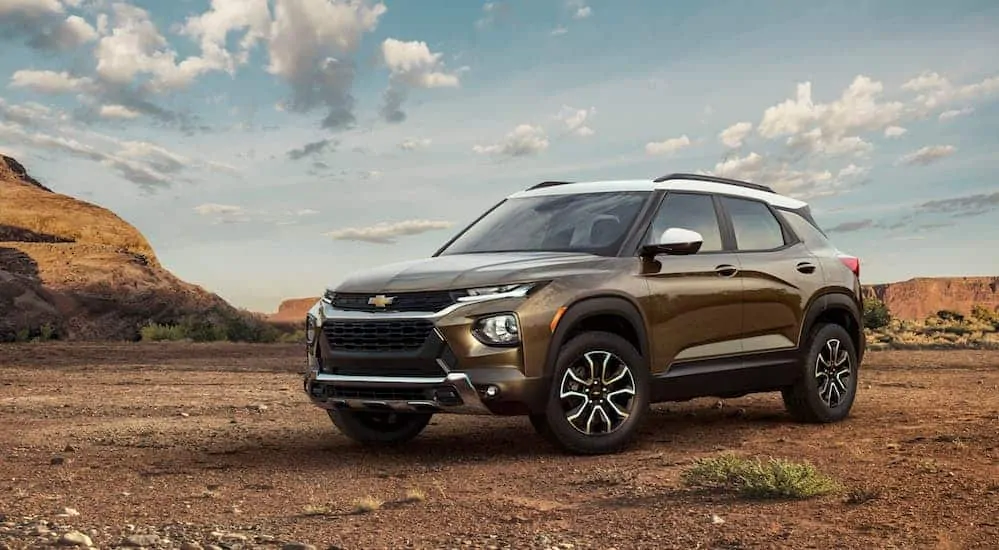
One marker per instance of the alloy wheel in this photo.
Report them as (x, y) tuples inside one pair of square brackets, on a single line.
[(833, 369), (597, 393)]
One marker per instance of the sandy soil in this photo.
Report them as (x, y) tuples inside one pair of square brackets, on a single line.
[(193, 446)]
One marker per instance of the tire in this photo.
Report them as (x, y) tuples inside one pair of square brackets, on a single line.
[(627, 372), (379, 428), (810, 399)]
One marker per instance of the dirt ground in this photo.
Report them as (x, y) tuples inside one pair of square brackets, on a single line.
[(194, 446)]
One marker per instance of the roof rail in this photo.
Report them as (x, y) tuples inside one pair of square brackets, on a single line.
[(714, 179), (549, 184)]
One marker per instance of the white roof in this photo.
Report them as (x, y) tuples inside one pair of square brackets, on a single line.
[(774, 199)]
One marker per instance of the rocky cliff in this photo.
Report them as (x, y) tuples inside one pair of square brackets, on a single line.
[(922, 297), (292, 310), (79, 271)]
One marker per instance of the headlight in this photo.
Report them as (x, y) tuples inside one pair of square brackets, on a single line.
[(310, 329), (498, 330), (328, 297), (491, 292)]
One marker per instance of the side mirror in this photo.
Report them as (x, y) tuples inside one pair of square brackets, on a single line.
[(674, 241)]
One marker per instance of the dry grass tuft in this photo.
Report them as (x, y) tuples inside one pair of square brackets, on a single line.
[(367, 504), (775, 478), (415, 494)]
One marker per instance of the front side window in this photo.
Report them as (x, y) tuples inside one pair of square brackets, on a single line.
[(754, 224), (688, 211), (595, 223)]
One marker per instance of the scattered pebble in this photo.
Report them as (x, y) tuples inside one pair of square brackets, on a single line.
[(75, 538)]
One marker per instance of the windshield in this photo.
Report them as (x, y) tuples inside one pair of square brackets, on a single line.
[(595, 223)]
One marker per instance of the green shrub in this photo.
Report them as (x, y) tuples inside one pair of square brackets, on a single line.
[(876, 314), (214, 326), (984, 314), (155, 332), (949, 315), (775, 478)]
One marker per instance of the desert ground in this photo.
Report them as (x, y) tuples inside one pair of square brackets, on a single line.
[(189, 446)]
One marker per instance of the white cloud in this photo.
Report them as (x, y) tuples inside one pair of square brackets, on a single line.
[(814, 141), (575, 120), (118, 111), (411, 65), (803, 184), (852, 171), (30, 8), (734, 135), (50, 82), (583, 13), (667, 146), (413, 144), (213, 27), (858, 109), (311, 43), (895, 131), (954, 113), (928, 155), (488, 15), (306, 212), (559, 31), (524, 140), (387, 233), (935, 91)]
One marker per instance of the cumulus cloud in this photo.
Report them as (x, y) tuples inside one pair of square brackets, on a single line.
[(575, 120), (209, 209), (814, 141), (667, 146), (118, 111), (734, 135), (852, 171), (927, 155), (311, 46), (213, 28), (783, 178), (895, 131), (411, 65), (579, 9), (387, 233), (50, 82), (412, 144), (313, 148), (524, 140), (43, 25), (559, 31), (934, 91)]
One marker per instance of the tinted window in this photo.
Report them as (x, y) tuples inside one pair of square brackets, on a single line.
[(755, 226), (688, 211), (596, 223), (809, 233)]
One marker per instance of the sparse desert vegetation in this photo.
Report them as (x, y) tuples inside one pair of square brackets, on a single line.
[(174, 443), (946, 329)]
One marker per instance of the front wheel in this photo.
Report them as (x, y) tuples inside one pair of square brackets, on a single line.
[(828, 383), (379, 428), (599, 395)]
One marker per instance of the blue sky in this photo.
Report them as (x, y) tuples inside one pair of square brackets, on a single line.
[(268, 148)]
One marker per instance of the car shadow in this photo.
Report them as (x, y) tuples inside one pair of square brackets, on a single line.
[(457, 441)]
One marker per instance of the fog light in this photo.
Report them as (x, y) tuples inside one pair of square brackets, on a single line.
[(491, 391)]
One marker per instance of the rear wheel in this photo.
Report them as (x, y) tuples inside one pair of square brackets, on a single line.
[(826, 389), (599, 395), (379, 428)]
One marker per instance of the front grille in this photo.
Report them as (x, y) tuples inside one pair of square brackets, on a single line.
[(395, 335), (420, 369), (406, 301), (380, 394)]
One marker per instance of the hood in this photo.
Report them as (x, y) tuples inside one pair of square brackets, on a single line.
[(461, 271)]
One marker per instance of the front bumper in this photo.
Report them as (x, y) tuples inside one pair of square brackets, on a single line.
[(453, 393)]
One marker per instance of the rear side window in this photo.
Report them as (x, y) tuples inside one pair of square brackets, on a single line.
[(755, 226), (806, 230)]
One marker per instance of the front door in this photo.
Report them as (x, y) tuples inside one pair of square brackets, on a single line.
[(694, 306)]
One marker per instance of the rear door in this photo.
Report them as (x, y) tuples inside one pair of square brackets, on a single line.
[(694, 306), (778, 272)]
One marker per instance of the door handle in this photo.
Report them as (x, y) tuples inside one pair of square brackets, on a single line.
[(726, 270), (806, 267)]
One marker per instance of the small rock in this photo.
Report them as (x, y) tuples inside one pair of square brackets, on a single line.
[(298, 546), (213, 547), (141, 541), (69, 512), (716, 519), (57, 460), (259, 407), (190, 546), (184, 415), (75, 538), (69, 449), (40, 531)]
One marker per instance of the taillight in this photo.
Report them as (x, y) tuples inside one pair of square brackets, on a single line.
[(851, 262)]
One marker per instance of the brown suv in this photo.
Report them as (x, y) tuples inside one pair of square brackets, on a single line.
[(580, 304)]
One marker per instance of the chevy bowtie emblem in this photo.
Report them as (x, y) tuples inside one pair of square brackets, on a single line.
[(381, 300)]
